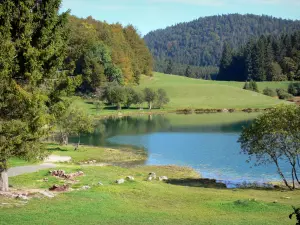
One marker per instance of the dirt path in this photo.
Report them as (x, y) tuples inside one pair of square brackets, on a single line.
[(15, 171)]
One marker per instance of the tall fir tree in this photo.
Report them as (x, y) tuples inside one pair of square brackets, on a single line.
[(225, 62), (33, 46)]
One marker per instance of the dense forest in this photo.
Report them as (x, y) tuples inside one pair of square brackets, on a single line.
[(269, 58), (200, 42), (99, 52)]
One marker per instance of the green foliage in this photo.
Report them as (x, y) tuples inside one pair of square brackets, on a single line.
[(116, 95), (294, 89), (74, 122), (274, 136), (188, 72), (200, 42), (283, 94), (251, 86), (272, 58), (33, 48), (101, 53), (269, 92), (150, 96), (99, 105), (297, 214), (131, 97), (162, 98)]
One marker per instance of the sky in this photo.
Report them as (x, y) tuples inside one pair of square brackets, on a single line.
[(148, 15)]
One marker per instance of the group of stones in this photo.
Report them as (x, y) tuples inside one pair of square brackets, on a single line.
[(151, 176)]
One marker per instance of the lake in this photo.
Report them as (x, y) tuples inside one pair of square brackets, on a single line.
[(205, 142)]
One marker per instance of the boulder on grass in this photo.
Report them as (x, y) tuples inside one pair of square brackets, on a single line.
[(120, 181)]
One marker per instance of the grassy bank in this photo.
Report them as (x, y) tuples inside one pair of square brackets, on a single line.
[(144, 202)]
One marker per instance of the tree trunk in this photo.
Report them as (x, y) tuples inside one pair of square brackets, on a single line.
[(3, 177), (281, 174), (150, 105)]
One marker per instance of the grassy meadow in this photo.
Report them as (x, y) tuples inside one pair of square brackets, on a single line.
[(194, 94), (144, 202)]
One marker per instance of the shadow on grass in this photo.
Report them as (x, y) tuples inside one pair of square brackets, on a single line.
[(57, 149), (201, 182)]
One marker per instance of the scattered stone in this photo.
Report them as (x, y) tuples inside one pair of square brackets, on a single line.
[(286, 197), (62, 174), (275, 201), (99, 183), (47, 194), (163, 178), (59, 188), (120, 181), (225, 110), (46, 179), (129, 178), (86, 187), (152, 176), (22, 197)]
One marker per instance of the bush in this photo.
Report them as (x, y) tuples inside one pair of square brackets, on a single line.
[(251, 86), (294, 89), (269, 92), (283, 94)]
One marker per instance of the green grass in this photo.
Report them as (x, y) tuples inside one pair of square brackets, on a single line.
[(192, 93), (143, 202), (13, 162), (100, 154)]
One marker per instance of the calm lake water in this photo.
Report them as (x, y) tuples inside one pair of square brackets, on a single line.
[(207, 143)]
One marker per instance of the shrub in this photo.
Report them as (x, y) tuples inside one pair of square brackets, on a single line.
[(294, 89), (251, 86), (269, 92), (283, 94)]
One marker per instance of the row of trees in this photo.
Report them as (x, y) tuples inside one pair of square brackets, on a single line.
[(121, 96), (200, 42), (269, 58), (204, 72)]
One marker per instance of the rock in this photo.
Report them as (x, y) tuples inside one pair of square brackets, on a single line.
[(152, 175), (225, 110), (163, 178), (120, 181), (47, 194), (149, 178), (286, 197), (275, 201), (46, 179), (59, 188), (129, 178), (86, 187), (22, 197), (99, 183)]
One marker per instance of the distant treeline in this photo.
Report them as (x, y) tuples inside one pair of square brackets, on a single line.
[(204, 72), (200, 42), (270, 58), (102, 52)]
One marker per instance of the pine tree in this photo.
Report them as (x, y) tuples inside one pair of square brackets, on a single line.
[(169, 69), (33, 47), (188, 71), (225, 63)]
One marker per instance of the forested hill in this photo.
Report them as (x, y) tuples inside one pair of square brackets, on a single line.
[(200, 42), (100, 52)]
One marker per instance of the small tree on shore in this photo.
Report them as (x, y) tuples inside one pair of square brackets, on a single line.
[(74, 122), (274, 137), (150, 96), (162, 98), (139, 99)]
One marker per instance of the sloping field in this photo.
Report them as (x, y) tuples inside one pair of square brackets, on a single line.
[(192, 93)]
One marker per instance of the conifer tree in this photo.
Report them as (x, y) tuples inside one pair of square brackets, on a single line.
[(33, 39)]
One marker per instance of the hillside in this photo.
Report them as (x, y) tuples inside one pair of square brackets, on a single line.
[(192, 93), (200, 42)]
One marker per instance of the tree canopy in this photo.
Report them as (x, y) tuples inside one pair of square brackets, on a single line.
[(200, 42), (274, 137)]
